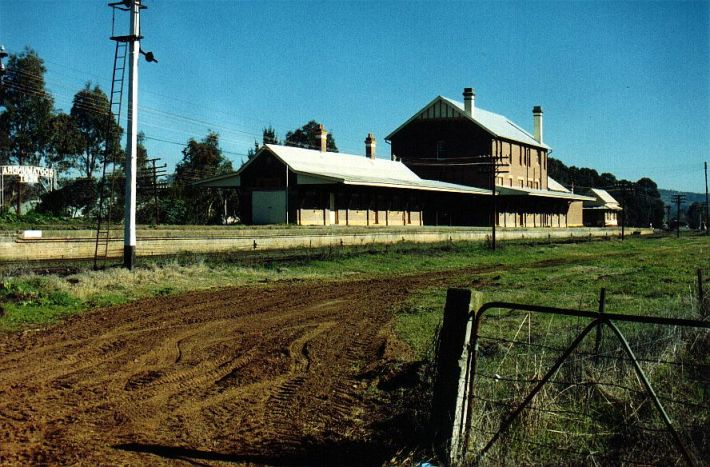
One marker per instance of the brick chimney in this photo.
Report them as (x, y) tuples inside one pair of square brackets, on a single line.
[(370, 145), (537, 123), (322, 135), (469, 101)]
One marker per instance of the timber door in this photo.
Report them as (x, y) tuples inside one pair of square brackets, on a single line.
[(268, 207)]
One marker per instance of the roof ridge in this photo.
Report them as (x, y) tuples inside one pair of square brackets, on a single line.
[(331, 153)]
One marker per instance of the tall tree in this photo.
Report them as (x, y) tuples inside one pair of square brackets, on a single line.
[(268, 137), (141, 152), (25, 122), (646, 206), (91, 111), (202, 159), (306, 137), (65, 143), (695, 215), (26, 119)]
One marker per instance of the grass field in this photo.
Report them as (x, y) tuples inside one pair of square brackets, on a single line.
[(645, 276), (641, 276), (596, 410)]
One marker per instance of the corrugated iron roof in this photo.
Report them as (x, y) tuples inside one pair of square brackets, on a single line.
[(554, 185), (349, 169), (352, 169), (498, 125), (604, 196), (602, 199), (511, 191), (339, 164)]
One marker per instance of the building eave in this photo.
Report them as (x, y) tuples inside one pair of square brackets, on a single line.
[(510, 191)]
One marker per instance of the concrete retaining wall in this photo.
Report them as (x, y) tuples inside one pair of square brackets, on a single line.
[(80, 244)]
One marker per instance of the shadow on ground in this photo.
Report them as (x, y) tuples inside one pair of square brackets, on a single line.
[(345, 454)]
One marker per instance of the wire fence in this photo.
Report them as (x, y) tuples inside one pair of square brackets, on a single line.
[(595, 407)]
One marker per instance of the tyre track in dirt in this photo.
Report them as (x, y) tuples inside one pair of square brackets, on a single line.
[(195, 370), (266, 374)]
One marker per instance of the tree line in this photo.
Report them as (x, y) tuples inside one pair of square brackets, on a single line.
[(77, 144), (641, 199)]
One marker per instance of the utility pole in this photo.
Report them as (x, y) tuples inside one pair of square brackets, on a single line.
[(129, 232), (668, 215), (155, 191), (134, 8), (678, 199), (148, 183), (707, 208), (494, 208), (623, 209), (496, 166), (3, 54)]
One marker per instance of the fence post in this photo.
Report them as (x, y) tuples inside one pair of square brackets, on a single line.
[(600, 332), (450, 368)]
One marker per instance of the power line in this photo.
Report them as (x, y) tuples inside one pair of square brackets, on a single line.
[(172, 98), (104, 111), (186, 145)]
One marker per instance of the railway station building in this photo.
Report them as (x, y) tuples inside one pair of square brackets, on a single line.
[(458, 142), (285, 184), (446, 162)]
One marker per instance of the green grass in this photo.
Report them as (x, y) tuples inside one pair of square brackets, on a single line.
[(641, 276), (9, 221)]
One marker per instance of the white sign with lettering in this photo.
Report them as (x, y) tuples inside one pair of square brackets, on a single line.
[(27, 173)]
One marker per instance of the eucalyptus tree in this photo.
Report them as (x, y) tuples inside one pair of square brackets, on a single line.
[(307, 137), (26, 118), (202, 159), (91, 112), (25, 121)]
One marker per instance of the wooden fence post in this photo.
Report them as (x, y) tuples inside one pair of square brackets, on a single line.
[(446, 412)]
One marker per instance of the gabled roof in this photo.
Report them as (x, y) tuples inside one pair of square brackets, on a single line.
[(339, 165), (495, 124), (349, 169), (603, 200), (554, 185)]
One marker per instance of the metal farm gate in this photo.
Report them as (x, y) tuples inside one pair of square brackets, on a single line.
[(561, 386)]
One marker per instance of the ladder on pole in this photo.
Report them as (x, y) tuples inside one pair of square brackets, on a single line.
[(107, 195)]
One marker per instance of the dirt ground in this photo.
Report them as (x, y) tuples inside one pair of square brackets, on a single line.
[(280, 373)]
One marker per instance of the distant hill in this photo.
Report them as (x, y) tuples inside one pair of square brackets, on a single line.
[(690, 198)]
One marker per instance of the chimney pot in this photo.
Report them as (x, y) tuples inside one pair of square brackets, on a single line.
[(370, 144), (469, 98), (322, 135), (537, 123)]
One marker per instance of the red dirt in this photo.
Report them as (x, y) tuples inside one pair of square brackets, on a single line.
[(276, 374)]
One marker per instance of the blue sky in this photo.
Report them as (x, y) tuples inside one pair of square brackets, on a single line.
[(625, 86)]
